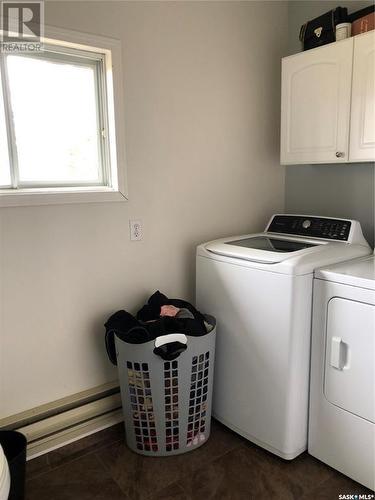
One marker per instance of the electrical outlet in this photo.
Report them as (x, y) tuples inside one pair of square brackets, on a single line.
[(136, 231)]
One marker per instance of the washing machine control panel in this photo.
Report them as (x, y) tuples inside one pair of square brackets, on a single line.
[(313, 227)]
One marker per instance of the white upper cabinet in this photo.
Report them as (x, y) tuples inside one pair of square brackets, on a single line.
[(316, 104), (362, 131), (317, 117)]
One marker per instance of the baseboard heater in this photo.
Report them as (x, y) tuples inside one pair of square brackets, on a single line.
[(56, 424)]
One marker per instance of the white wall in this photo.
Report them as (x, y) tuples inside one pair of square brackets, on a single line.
[(202, 86)]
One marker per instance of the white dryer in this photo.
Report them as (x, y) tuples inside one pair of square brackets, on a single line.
[(342, 397), (259, 287)]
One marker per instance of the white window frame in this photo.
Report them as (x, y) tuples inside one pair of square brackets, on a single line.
[(111, 109)]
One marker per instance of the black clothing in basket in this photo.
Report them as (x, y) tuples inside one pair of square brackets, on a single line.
[(148, 325)]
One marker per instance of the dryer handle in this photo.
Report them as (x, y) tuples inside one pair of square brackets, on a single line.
[(338, 351)]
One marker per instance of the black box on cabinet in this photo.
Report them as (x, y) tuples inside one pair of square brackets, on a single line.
[(321, 30)]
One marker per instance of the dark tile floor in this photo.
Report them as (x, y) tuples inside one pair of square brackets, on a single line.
[(227, 467)]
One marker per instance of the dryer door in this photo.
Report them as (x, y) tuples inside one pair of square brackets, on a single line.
[(350, 359)]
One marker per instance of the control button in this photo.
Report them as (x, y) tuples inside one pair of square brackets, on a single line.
[(306, 224)]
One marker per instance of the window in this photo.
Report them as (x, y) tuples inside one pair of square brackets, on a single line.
[(57, 124)]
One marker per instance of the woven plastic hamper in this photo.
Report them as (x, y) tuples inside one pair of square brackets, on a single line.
[(167, 403)]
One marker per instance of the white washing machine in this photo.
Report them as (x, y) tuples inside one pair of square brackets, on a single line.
[(342, 397), (259, 287)]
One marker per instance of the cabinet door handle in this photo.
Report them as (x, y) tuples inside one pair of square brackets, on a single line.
[(340, 154)]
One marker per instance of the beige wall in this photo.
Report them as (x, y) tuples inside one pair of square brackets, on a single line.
[(201, 90)]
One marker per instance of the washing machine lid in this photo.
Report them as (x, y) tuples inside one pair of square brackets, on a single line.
[(262, 247), (271, 244), (295, 244)]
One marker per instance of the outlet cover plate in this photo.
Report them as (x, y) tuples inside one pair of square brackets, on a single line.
[(136, 229)]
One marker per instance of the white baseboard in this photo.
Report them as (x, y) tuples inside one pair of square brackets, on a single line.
[(58, 406), (79, 431), (64, 421)]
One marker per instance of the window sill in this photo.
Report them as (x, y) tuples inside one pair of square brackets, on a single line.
[(49, 196)]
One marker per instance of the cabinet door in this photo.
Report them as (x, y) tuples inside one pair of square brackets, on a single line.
[(315, 104), (362, 127)]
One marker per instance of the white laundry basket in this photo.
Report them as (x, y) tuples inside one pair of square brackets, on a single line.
[(4, 476), (167, 403)]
